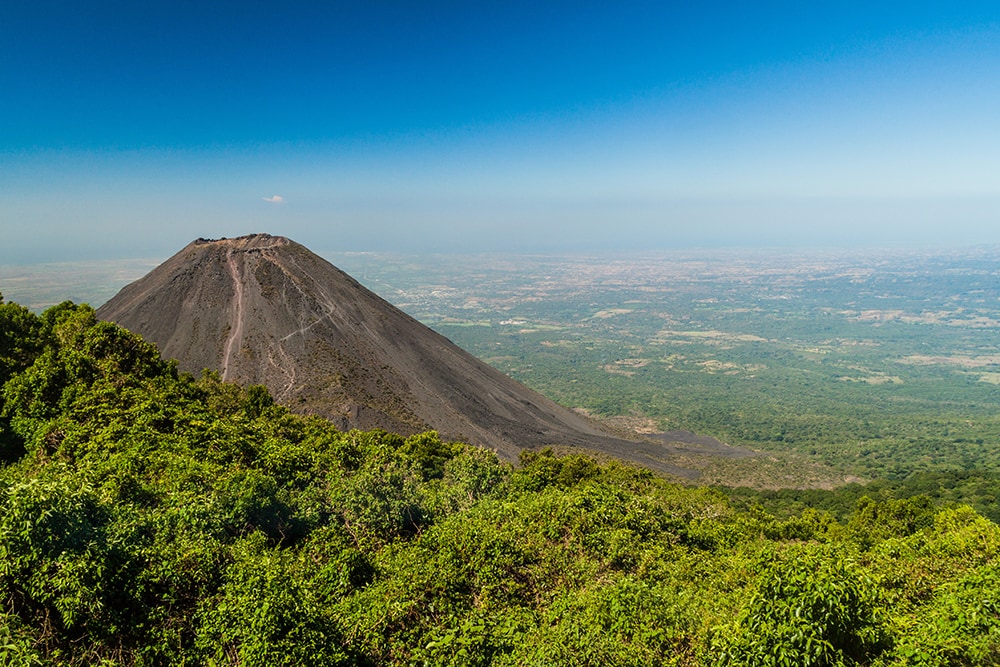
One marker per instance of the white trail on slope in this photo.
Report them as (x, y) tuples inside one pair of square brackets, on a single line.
[(235, 328)]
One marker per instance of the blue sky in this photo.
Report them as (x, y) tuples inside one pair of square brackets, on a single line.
[(128, 128)]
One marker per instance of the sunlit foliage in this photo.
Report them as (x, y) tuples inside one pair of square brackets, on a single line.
[(151, 518)]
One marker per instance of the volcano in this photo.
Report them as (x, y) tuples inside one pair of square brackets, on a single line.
[(263, 309)]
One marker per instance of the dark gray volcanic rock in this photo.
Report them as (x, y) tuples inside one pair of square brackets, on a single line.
[(265, 310)]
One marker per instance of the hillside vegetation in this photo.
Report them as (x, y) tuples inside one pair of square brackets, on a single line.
[(151, 518)]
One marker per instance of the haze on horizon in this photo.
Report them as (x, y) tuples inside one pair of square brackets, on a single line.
[(128, 129)]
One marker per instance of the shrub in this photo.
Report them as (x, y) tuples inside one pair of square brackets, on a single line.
[(813, 609)]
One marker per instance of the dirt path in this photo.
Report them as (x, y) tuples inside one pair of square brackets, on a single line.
[(236, 325)]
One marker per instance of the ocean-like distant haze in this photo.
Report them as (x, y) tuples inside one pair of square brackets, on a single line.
[(129, 128)]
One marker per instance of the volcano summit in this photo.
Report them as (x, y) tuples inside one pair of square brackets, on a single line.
[(263, 309)]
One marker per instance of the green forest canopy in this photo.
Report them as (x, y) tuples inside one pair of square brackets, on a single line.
[(151, 518)]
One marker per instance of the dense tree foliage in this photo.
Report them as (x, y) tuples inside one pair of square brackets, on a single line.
[(151, 518), (976, 488)]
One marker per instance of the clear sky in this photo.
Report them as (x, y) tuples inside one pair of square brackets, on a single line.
[(130, 128)]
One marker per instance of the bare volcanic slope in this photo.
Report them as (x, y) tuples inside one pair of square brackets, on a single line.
[(263, 309)]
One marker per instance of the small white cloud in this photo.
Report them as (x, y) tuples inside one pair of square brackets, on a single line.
[(276, 199)]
